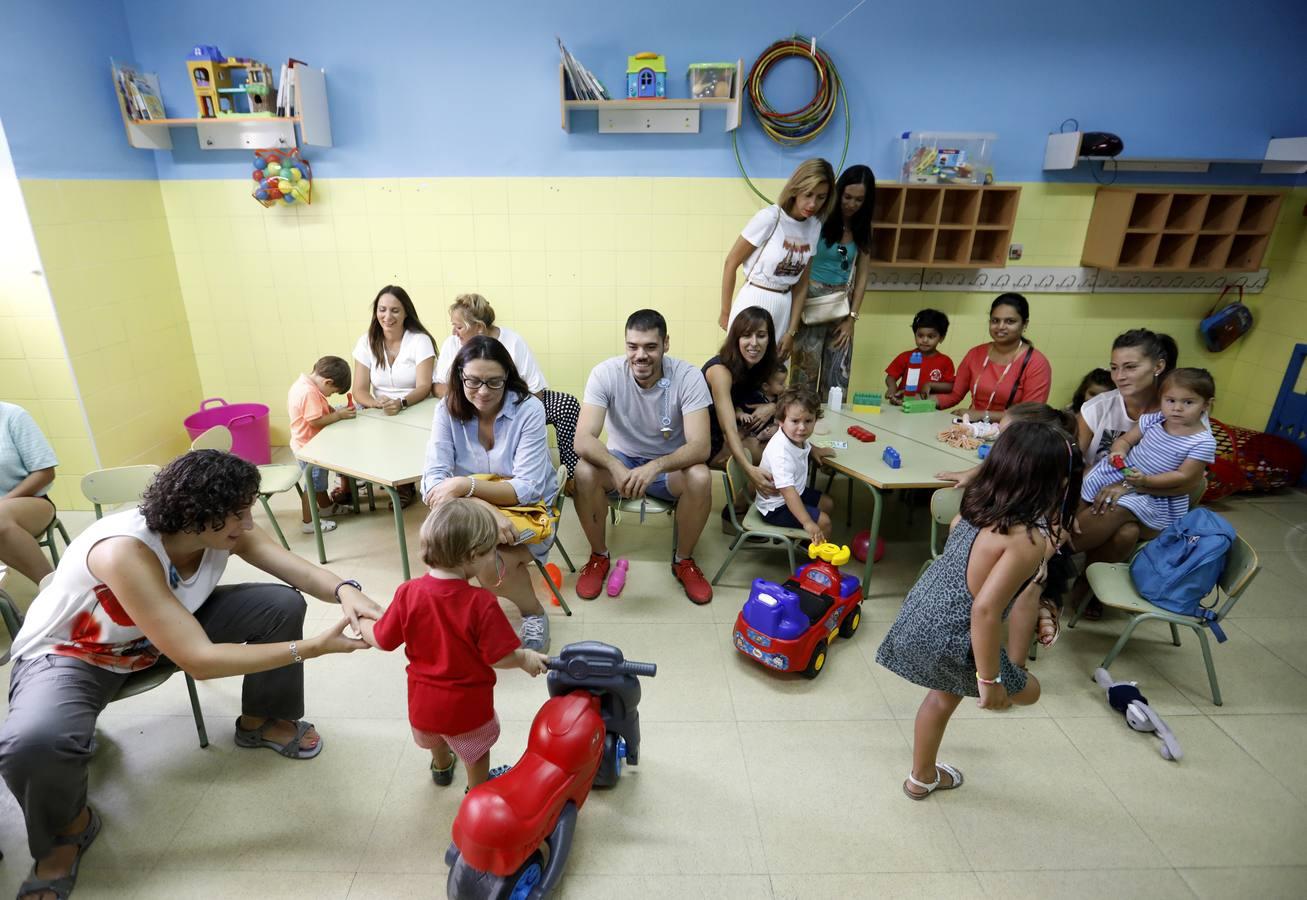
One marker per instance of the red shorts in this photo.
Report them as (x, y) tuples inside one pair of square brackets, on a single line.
[(468, 746)]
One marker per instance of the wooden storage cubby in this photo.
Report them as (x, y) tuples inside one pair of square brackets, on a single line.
[(1179, 230), (943, 225)]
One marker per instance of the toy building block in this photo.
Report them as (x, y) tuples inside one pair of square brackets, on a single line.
[(866, 402), (918, 405), (892, 458), (861, 434), (1119, 463)]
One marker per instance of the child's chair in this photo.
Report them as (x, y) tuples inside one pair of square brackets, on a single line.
[(753, 523), (49, 540), (944, 505), (274, 478), (555, 515), (1112, 585), (642, 507), (110, 487)]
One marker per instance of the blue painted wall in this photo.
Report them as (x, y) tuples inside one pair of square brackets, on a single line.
[(56, 96), (445, 89)]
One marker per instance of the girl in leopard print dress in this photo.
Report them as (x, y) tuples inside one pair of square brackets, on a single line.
[(948, 635)]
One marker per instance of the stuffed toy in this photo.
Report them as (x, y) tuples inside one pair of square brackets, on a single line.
[(1125, 698)]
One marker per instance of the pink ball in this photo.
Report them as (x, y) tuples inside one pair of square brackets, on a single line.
[(860, 542)]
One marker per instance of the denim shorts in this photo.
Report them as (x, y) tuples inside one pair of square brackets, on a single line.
[(657, 488), (319, 476)]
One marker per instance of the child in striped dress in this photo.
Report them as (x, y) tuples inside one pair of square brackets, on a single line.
[(1165, 451)]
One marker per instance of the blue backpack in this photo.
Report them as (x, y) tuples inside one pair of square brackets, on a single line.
[(1180, 567)]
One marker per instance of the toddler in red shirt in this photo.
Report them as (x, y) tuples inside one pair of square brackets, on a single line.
[(455, 636), (929, 328)]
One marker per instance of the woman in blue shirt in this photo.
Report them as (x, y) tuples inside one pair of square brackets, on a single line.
[(27, 464), (823, 353), (490, 424)]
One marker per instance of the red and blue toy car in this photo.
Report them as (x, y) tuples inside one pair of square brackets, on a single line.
[(789, 627)]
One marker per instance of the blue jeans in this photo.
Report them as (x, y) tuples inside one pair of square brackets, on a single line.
[(319, 476), (657, 488)]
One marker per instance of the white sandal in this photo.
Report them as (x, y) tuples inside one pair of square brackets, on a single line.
[(325, 524), (953, 773)]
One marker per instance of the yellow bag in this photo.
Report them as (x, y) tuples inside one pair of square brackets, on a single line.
[(529, 520)]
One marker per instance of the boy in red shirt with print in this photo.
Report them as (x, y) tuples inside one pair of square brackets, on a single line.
[(928, 329), (455, 636)]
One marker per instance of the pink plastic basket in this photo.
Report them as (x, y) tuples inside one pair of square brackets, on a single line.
[(248, 423)]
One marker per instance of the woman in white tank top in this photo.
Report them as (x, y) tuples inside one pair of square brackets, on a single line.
[(142, 584)]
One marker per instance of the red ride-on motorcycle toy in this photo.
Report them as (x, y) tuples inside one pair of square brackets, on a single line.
[(789, 627), (513, 833)]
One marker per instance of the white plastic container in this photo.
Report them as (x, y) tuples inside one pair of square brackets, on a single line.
[(947, 157), (835, 399)]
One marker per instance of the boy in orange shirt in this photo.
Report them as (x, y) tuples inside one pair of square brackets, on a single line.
[(310, 413)]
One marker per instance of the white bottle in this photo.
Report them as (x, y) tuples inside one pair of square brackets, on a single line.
[(835, 400), (913, 383)]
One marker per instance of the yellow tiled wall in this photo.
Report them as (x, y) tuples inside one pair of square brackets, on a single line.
[(564, 260), (109, 262), (34, 368)]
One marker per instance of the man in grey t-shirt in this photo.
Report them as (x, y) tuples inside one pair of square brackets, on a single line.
[(656, 410)]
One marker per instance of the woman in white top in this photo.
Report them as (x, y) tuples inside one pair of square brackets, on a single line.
[(471, 315), (394, 360), (776, 249), (1139, 360), (142, 584)]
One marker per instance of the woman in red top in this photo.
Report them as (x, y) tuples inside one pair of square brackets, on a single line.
[(1007, 370), (455, 636)]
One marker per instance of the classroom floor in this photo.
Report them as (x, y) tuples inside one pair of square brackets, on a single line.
[(750, 784)]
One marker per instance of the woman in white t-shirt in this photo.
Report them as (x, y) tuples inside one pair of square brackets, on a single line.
[(1139, 360), (395, 358), (140, 585), (471, 315), (776, 249)]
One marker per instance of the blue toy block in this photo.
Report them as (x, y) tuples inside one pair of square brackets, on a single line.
[(774, 611), (892, 458), (982, 451)]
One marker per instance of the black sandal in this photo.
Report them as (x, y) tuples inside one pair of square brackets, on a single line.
[(63, 887), (254, 738), (444, 777)]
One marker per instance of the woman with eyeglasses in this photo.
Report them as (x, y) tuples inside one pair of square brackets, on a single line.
[(488, 442), (823, 352)]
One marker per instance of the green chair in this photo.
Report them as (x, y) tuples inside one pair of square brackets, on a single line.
[(109, 487), (1112, 585), (944, 505), (555, 514), (275, 478), (48, 541), (753, 523), (643, 507)]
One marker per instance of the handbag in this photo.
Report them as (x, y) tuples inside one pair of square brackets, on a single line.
[(530, 521), (831, 306), (1222, 327)]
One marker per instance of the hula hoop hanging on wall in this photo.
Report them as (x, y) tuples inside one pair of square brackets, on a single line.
[(790, 129)]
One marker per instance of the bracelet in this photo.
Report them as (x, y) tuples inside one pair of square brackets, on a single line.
[(853, 315), (295, 653), (997, 679), (471, 486), (349, 581)]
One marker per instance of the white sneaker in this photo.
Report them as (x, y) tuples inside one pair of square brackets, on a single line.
[(327, 525), (535, 633)]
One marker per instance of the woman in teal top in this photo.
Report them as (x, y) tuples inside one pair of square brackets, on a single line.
[(823, 353)]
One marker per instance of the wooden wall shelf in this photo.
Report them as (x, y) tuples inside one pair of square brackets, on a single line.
[(953, 226), (1149, 230), (668, 115)]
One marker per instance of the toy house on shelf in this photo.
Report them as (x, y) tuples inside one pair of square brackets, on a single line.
[(646, 77), (230, 87)]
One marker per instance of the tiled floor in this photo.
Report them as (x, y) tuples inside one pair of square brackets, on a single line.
[(750, 785)]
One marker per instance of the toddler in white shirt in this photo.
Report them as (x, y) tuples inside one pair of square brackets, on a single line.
[(794, 505)]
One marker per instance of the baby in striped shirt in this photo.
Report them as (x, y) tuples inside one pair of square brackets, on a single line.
[(1164, 451)]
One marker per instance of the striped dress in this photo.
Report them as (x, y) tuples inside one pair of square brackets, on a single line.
[(1156, 453)]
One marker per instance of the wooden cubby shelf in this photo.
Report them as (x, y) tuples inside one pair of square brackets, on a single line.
[(943, 225), (1151, 229)]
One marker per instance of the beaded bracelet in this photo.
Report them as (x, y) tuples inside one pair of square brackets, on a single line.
[(996, 680)]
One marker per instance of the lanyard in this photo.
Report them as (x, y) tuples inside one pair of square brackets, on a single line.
[(666, 384), (990, 402)]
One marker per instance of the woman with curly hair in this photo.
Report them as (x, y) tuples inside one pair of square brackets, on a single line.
[(143, 584)]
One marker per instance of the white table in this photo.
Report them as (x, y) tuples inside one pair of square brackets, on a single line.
[(389, 451)]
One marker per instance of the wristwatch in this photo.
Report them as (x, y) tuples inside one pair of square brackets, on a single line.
[(853, 315), (352, 583), (403, 403)]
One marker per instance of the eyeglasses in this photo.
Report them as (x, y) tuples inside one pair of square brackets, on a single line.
[(475, 384), (843, 251)]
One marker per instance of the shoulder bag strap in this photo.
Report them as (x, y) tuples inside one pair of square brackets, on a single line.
[(1224, 290), (1016, 384), (763, 246)]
